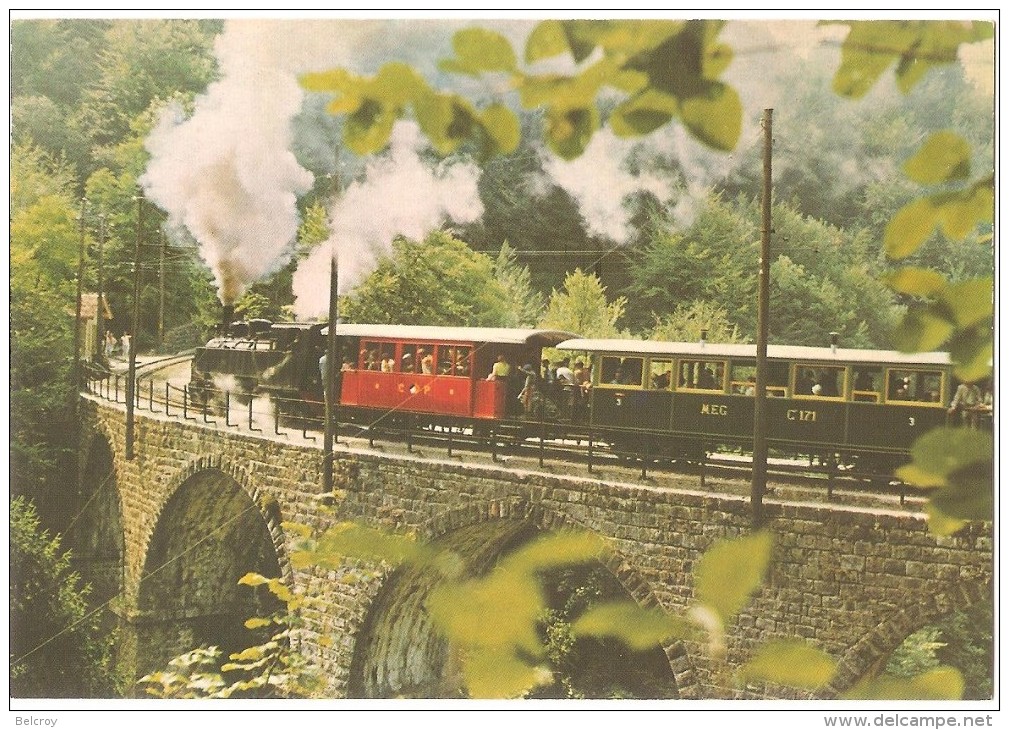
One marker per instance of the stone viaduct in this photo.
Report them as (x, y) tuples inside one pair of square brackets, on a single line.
[(165, 536)]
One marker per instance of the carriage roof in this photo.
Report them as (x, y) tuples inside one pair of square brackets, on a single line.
[(791, 353), (498, 335)]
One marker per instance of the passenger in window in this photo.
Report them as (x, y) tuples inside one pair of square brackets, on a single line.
[(406, 364), (500, 370), (426, 362), (864, 381), (661, 381), (387, 365), (751, 386), (965, 403), (707, 380), (804, 382)]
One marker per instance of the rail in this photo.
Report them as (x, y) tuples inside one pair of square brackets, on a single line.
[(537, 438)]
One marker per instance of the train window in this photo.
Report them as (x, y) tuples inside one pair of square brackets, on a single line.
[(702, 374), (916, 386), (453, 360), (867, 386), (387, 357), (819, 381), (742, 379), (369, 357), (621, 370), (408, 359), (660, 374)]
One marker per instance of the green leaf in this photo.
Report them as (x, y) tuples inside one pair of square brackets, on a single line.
[(972, 351), (337, 79), (945, 156), (960, 213), (939, 523), (502, 128), (971, 301), (941, 683), (348, 539), (252, 579), (915, 281), (730, 571), (367, 129), (548, 39), (922, 329), (553, 550), (257, 623), (871, 47), (791, 663), (446, 119), (569, 130), (943, 452), (715, 116), (643, 113), (958, 463), (500, 610), (480, 50), (639, 628), (497, 673), (912, 225)]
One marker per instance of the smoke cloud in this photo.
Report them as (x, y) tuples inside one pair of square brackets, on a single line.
[(400, 194), (227, 173)]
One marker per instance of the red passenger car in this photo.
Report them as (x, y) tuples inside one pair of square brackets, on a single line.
[(437, 370)]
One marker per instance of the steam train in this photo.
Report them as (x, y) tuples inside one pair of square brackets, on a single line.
[(642, 399)]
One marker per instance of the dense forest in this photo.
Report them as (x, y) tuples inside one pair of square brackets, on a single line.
[(670, 253)]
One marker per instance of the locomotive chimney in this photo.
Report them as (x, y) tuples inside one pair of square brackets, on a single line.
[(704, 336), (834, 336), (227, 315)]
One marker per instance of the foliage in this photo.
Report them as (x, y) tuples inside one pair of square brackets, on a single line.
[(56, 650), (44, 238), (270, 669), (588, 667), (916, 46), (916, 654), (663, 70), (582, 307), (523, 305), (688, 320), (437, 281)]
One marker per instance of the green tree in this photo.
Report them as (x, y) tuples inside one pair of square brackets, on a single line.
[(581, 307), (43, 256), (144, 61), (55, 650), (524, 305), (688, 320), (437, 281)]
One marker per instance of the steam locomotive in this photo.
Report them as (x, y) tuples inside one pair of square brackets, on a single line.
[(643, 398)]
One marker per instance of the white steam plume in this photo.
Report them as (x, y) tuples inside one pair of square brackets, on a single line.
[(227, 173), (400, 194)]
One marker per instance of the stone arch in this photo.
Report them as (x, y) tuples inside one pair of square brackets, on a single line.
[(95, 532), (396, 648), (877, 645), (210, 530)]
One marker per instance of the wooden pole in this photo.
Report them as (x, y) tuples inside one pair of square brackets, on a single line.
[(100, 335), (131, 373), (161, 287), (80, 293), (759, 479), (329, 377)]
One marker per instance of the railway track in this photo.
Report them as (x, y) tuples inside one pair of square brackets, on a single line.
[(539, 446)]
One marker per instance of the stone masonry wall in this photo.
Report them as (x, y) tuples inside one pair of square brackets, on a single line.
[(854, 582)]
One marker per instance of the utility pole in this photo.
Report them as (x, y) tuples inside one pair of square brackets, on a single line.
[(80, 294), (131, 373), (329, 383), (100, 336), (759, 480), (161, 287)]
